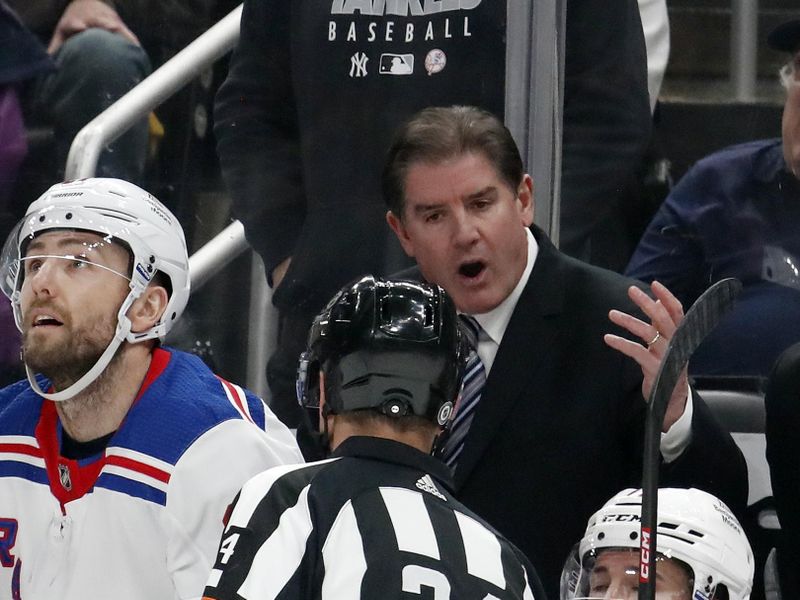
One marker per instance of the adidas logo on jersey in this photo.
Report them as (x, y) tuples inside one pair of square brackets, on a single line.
[(425, 483)]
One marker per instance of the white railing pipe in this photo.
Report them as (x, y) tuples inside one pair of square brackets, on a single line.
[(152, 91), (744, 49), (216, 253)]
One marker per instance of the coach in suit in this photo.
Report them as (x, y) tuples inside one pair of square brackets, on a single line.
[(558, 424)]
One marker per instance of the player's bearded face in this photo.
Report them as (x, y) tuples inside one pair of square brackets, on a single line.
[(70, 297), (66, 358)]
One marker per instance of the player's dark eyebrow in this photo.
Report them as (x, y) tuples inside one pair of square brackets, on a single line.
[(37, 244)]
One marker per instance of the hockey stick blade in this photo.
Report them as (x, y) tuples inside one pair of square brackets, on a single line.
[(699, 321), (702, 318)]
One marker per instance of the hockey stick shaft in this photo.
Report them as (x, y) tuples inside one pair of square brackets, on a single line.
[(698, 322)]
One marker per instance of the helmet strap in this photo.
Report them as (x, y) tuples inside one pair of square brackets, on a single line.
[(120, 335)]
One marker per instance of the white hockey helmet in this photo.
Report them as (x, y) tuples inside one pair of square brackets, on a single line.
[(694, 528), (121, 212)]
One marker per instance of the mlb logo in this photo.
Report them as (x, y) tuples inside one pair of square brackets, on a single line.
[(396, 64)]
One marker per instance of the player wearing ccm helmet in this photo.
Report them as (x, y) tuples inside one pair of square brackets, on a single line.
[(382, 369), (703, 553), (118, 457)]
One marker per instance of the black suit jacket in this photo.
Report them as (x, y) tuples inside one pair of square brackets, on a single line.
[(783, 454), (560, 425)]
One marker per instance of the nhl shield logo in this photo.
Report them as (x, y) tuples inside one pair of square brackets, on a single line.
[(63, 476)]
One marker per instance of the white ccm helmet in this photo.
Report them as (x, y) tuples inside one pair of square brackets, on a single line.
[(694, 527), (121, 212)]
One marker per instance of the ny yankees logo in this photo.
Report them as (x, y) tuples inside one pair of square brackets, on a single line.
[(358, 65)]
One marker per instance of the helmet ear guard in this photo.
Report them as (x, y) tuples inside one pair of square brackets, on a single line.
[(307, 383)]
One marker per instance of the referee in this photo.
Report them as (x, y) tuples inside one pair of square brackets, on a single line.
[(376, 520)]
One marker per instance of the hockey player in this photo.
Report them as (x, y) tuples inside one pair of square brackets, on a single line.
[(383, 366), (118, 457), (702, 554)]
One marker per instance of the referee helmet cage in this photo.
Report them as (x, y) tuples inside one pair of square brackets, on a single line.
[(694, 528), (121, 213), (387, 345)]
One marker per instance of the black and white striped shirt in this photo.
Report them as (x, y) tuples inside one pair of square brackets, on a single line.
[(376, 521)]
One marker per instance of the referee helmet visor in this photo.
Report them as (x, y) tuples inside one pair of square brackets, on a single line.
[(388, 345)]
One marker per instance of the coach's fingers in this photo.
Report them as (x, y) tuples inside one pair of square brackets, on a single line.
[(658, 314), (668, 301), (648, 361)]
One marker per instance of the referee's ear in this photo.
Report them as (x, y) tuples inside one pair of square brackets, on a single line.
[(326, 420), (321, 392)]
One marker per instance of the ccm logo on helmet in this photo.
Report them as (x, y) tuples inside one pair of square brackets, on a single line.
[(626, 518), (644, 559)]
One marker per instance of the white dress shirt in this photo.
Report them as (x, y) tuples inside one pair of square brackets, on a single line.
[(493, 327)]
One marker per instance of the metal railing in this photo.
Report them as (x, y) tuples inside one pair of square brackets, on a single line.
[(151, 92), (230, 242), (744, 49), (216, 254)]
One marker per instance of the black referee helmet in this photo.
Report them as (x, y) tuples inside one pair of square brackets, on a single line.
[(387, 345)]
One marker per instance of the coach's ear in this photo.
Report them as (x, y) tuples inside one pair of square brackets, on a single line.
[(396, 223), (525, 200)]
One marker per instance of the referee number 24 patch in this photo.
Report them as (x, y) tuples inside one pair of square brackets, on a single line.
[(226, 548)]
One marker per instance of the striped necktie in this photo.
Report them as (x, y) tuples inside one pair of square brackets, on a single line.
[(474, 380)]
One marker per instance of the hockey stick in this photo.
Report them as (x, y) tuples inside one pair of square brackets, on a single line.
[(702, 317)]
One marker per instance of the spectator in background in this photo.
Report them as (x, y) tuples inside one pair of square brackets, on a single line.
[(606, 130), (102, 49), (650, 180), (22, 57), (98, 59), (702, 551), (555, 390), (382, 371), (315, 90), (118, 457), (737, 214)]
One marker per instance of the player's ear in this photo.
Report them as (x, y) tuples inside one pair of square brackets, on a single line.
[(147, 309)]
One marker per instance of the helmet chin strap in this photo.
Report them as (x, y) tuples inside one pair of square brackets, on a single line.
[(122, 332)]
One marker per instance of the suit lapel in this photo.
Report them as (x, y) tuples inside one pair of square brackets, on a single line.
[(533, 329)]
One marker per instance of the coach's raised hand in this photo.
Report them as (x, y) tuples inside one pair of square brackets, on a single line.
[(665, 312)]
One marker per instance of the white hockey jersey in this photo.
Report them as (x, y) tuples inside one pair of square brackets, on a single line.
[(143, 518)]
